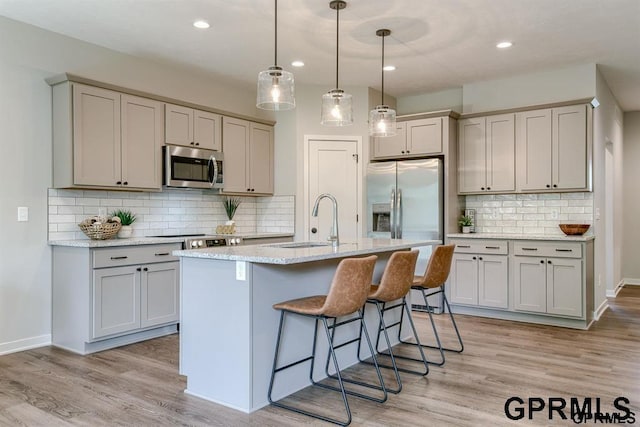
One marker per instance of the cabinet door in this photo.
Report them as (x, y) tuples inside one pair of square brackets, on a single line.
[(160, 294), (207, 132), (178, 125), (115, 301), (472, 156), (529, 284), (569, 142), (533, 150), (96, 136), (564, 286), (391, 146), (501, 153), (236, 150), (261, 159), (493, 281), (464, 279), (424, 136), (142, 132)]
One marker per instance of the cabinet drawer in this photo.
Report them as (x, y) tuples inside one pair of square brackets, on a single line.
[(548, 249), (498, 247), (143, 254)]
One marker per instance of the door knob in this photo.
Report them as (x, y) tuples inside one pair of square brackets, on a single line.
[(314, 230)]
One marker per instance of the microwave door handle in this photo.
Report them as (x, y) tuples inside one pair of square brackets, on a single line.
[(213, 171), (392, 210)]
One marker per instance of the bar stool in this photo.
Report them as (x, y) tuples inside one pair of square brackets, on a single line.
[(432, 283), (347, 295), (395, 284)]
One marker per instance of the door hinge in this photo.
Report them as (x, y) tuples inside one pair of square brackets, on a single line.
[(357, 218), (355, 156)]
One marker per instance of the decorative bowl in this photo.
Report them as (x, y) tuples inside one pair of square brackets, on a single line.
[(574, 229)]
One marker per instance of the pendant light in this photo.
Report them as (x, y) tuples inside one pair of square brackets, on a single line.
[(275, 86), (337, 109), (382, 119)]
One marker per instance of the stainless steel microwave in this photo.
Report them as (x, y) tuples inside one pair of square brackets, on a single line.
[(186, 167)]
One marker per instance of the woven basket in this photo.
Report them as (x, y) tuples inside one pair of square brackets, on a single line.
[(102, 231)]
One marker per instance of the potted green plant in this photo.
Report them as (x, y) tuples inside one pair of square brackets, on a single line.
[(126, 218), (465, 222), (230, 206)]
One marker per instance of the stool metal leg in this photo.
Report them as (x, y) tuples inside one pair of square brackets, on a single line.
[(363, 328), (439, 347), (383, 328), (312, 358)]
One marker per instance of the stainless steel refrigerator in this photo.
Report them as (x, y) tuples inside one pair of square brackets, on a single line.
[(405, 201)]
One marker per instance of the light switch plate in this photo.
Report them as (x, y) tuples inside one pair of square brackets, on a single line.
[(241, 270), (23, 213)]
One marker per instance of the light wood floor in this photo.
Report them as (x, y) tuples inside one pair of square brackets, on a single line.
[(138, 385)]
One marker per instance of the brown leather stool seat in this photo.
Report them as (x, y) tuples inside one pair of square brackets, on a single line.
[(395, 284), (432, 283), (347, 295)]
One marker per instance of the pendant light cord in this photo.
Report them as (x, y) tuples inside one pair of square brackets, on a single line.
[(382, 100), (275, 60), (337, 42)]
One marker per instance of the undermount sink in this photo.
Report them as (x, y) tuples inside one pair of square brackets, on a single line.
[(301, 245)]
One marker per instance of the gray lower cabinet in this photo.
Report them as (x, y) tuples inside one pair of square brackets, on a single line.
[(541, 281), (481, 277), (107, 297)]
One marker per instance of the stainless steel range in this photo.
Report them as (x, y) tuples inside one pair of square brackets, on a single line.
[(198, 241)]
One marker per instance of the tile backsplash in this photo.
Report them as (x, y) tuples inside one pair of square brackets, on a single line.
[(172, 211), (530, 213)]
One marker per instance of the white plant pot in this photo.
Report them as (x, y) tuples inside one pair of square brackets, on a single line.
[(466, 229), (125, 232), (230, 222)]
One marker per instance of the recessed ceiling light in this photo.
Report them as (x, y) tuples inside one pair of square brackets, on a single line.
[(504, 45), (389, 67), (297, 64), (201, 24)]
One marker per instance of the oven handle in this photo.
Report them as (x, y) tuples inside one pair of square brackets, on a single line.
[(213, 176)]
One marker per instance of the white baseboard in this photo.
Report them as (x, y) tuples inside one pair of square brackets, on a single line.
[(600, 310), (612, 293), (629, 281), (24, 344)]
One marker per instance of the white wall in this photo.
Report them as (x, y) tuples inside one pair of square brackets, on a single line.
[(434, 101), (631, 198), (607, 130), (29, 55), (544, 87)]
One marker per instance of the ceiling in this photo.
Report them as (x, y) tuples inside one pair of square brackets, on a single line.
[(434, 44)]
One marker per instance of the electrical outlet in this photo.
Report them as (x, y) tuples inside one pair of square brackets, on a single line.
[(599, 280), (23, 213), (241, 270), (554, 214)]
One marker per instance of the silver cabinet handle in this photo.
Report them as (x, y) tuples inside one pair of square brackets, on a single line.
[(163, 254), (492, 247), (529, 249), (119, 257), (464, 246), (564, 250)]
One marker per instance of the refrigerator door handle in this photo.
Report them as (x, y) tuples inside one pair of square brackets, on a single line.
[(399, 215), (392, 213)]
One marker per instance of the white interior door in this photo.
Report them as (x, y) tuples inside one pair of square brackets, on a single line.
[(332, 167)]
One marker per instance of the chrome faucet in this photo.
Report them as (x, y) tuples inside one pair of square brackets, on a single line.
[(333, 237)]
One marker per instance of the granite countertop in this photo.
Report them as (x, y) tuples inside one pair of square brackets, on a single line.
[(278, 253), (559, 237), (133, 241)]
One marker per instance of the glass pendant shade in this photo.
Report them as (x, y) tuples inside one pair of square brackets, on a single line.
[(337, 108), (382, 121), (276, 90)]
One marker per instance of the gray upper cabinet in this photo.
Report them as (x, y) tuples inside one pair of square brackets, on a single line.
[(553, 149), (414, 138), (105, 139), (195, 128), (486, 154), (248, 151)]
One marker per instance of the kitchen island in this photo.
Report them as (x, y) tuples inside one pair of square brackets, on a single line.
[(228, 327)]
